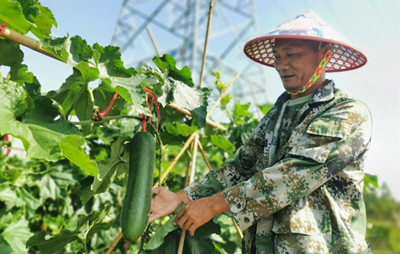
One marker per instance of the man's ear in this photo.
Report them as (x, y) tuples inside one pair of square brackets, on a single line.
[(324, 49)]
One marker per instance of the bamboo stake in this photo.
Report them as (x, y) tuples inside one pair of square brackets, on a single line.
[(196, 134), (26, 41), (205, 43), (204, 156), (181, 242), (237, 229), (185, 146), (224, 92), (189, 179), (153, 41), (187, 112), (194, 153), (119, 237)]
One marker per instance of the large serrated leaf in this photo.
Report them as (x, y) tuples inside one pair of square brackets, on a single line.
[(158, 238), (167, 65), (16, 234), (54, 244), (38, 130), (109, 169), (10, 53), (85, 228), (72, 148), (14, 16)]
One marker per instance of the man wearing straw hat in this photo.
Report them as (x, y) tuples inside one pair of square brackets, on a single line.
[(296, 186)]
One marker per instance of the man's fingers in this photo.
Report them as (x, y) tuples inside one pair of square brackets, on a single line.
[(152, 217), (156, 190), (192, 229)]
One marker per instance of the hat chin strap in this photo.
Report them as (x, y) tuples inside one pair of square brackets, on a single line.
[(317, 73)]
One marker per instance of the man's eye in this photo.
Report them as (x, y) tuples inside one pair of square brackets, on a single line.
[(290, 55)]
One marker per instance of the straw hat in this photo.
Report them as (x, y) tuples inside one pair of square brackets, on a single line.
[(307, 26)]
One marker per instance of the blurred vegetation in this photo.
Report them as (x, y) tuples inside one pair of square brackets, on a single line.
[(383, 213)]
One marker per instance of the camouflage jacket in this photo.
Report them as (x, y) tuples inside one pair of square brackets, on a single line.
[(309, 198)]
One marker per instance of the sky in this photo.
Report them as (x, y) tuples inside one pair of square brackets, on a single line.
[(372, 25)]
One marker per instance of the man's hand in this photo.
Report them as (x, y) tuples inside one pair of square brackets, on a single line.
[(199, 212), (165, 202)]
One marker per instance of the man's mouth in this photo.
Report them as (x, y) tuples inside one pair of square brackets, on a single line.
[(286, 76)]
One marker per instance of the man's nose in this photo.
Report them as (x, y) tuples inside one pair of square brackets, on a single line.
[(281, 64)]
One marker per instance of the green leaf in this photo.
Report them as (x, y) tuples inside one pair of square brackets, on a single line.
[(30, 9), (225, 100), (16, 234), (71, 50), (20, 73), (84, 109), (9, 196), (67, 93), (178, 129), (120, 79), (370, 182), (199, 245), (10, 53), (192, 99), (223, 143), (241, 113), (48, 188), (108, 60), (131, 90), (265, 107), (85, 228), (109, 169), (38, 130), (102, 97), (72, 148), (167, 65), (169, 246), (158, 238), (52, 245), (43, 22), (14, 16), (4, 246), (31, 203)]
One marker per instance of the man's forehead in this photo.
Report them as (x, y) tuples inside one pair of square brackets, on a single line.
[(291, 43)]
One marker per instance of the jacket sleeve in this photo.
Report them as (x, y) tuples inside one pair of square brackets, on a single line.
[(228, 175), (232, 172), (329, 143)]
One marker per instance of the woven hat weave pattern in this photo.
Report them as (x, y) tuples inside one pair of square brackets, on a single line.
[(307, 26)]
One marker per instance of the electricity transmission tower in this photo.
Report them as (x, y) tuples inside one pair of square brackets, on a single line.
[(178, 28)]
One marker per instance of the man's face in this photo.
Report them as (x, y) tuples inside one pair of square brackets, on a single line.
[(295, 61)]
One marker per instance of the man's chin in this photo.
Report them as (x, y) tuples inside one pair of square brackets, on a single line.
[(291, 89)]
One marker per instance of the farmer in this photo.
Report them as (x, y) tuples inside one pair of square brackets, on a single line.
[(296, 186)]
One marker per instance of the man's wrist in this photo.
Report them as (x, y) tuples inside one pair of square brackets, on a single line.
[(219, 204), (183, 197)]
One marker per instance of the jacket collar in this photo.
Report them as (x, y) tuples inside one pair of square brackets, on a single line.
[(325, 93)]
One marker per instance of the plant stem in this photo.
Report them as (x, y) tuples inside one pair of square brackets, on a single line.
[(185, 146), (107, 118), (160, 143), (105, 112)]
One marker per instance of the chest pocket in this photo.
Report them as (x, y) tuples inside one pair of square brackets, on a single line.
[(317, 140)]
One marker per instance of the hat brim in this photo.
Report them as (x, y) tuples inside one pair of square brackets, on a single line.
[(345, 57)]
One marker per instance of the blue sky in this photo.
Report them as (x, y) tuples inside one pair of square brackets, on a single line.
[(373, 26)]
